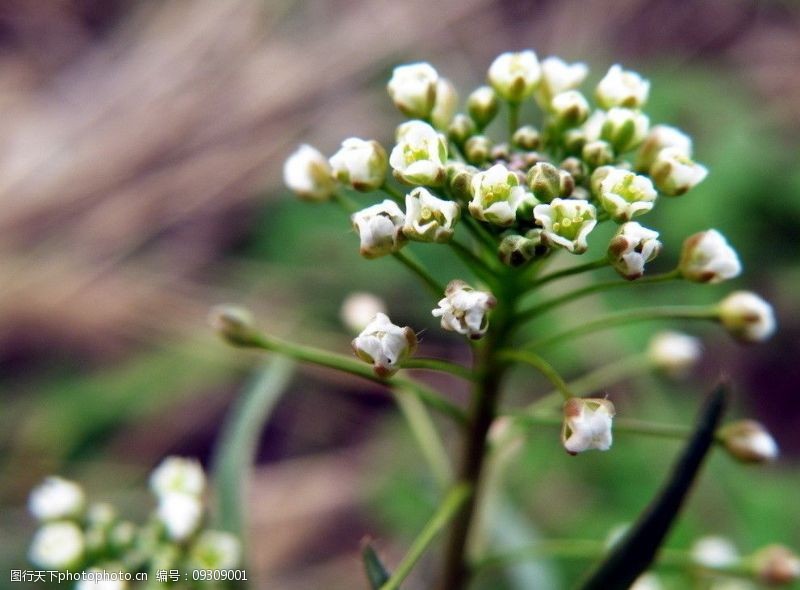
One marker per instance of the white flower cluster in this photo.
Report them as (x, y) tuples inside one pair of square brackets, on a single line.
[(93, 537)]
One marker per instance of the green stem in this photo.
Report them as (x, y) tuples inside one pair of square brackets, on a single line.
[(545, 368), (345, 364), (478, 266), (699, 312), (481, 233), (345, 202), (439, 365), (451, 505), (601, 263), (415, 266), (395, 194)]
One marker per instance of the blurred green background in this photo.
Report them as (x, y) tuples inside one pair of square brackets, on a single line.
[(140, 154)]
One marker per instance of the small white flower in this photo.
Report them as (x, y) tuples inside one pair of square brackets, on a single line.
[(587, 424), (747, 316), (674, 353), (660, 137), (514, 75), (307, 173), (482, 105), (570, 107), (216, 550), (624, 128), (446, 104), (359, 309), (496, 195), (622, 88), (707, 257), (675, 173), (428, 218), (592, 128), (646, 582), (566, 223), (58, 546), (464, 309), (380, 228), (625, 195), (178, 474), (558, 76), (714, 552), (180, 513), (56, 498), (360, 163), (420, 155), (413, 89), (749, 441), (384, 345), (631, 248), (98, 582)]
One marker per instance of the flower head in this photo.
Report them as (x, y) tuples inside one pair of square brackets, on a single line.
[(496, 195), (420, 154), (428, 218), (178, 474), (359, 309), (558, 76), (587, 424), (360, 163), (384, 345), (180, 513), (380, 228), (413, 89), (660, 137), (514, 75), (748, 441), (674, 353), (622, 88), (58, 546), (566, 223), (707, 257), (747, 316), (631, 248), (464, 309), (56, 498), (307, 173), (675, 173), (625, 195)]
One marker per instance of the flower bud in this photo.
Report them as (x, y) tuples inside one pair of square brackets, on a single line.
[(575, 168), (307, 173), (496, 195), (566, 183), (178, 474), (631, 248), (56, 498), (714, 552), (570, 108), (464, 309), (526, 138), (359, 309), (380, 228), (674, 353), (566, 223), (384, 345), (558, 76), (622, 88), (514, 75), (544, 180), (461, 129), (420, 154), (57, 546), (215, 550), (707, 257), (515, 250), (459, 180), (587, 424), (574, 141), (749, 442), (624, 129), (776, 565), (597, 153), (360, 164), (674, 173), (478, 149), (428, 218), (444, 108), (747, 316), (625, 195), (482, 105), (660, 137), (413, 89), (180, 513), (233, 323)]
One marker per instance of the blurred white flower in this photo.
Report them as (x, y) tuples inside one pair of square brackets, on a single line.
[(514, 75), (178, 474), (497, 195), (464, 309), (446, 104), (749, 441), (674, 353), (98, 582), (413, 89), (675, 173), (566, 223), (215, 550), (777, 565), (570, 107), (482, 105), (558, 76), (622, 88), (707, 257), (587, 424), (714, 552), (181, 514), (428, 218), (359, 309), (360, 164), (631, 248), (646, 582), (625, 195), (307, 173), (660, 137), (420, 154), (380, 229), (58, 546), (56, 498), (748, 317), (384, 345)]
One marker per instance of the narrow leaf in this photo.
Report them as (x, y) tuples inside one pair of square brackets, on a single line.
[(377, 574)]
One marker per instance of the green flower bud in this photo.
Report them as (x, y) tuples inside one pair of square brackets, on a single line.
[(597, 153), (459, 180), (526, 138), (624, 128), (575, 167), (574, 140), (461, 129), (413, 89), (482, 106), (515, 250), (566, 184), (233, 323), (360, 164), (515, 75), (544, 180), (478, 149), (570, 108), (445, 105)]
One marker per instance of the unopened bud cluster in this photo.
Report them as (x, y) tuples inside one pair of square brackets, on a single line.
[(76, 535)]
